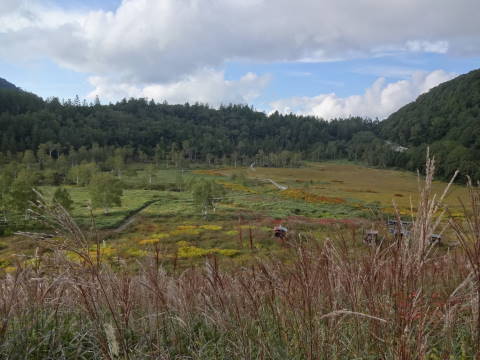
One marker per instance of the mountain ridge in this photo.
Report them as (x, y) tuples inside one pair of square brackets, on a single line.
[(448, 111), (446, 119), (4, 84)]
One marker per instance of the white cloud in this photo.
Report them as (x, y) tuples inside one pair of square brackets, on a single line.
[(206, 86), (379, 100), (438, 47), (156, 43), (9, 6), (29, 16), (161, 41)]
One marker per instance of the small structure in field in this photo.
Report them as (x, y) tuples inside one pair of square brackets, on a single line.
[(391, 223), (280, 231), (371, 237), (399, 233), (403, 223), (435, 238), (399, 228)]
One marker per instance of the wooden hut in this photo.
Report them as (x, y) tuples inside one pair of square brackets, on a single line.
[(371, 237)]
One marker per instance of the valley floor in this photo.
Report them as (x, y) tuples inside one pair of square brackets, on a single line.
[(313, 201)]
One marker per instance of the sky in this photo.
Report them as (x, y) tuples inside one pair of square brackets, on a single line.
[(327, 58)]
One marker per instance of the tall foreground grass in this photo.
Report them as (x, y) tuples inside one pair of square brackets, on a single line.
[(403, 299)]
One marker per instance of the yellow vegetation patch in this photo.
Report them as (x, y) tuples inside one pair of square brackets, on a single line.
[(183, 243), (72, 256), (136, 252), (211, 227), (154, 239), (34, 261), (457, 214), (105, 252), (186, 250), (9, 269), (231, 232), (191, 252), (236, 187), (160, 236), (185, 232)]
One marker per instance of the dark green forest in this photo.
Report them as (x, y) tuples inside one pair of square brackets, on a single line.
[(44, 132), (193, 133), (447, 119)]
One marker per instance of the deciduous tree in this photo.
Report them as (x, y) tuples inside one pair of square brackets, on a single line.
[(206, 195), (105, 191)]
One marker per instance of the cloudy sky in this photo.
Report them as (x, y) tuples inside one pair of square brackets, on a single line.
[(329, 58)]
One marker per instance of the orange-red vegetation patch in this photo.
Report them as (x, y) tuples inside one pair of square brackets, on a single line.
[(295, 220), (235, 186), (323, 221), (360, 191), (146, 227), (209, 172), (311, 198)]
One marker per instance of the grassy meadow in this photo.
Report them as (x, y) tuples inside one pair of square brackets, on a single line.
[(321, 199), (359, 183)]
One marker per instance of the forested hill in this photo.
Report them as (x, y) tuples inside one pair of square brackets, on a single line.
[(200, 132), (448, 119), (450, 111), (4, 84), (15, 101)]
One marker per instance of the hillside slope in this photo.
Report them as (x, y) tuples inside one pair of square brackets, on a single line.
[(15, 101), (447, 120), (450, 111), (4, 84)]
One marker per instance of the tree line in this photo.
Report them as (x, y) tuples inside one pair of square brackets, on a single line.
[(174, 133)]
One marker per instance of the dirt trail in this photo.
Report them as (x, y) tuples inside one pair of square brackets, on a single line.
[(281, 187), (132, 217), (277, 185)]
